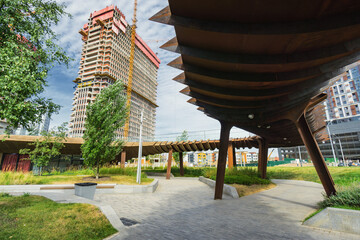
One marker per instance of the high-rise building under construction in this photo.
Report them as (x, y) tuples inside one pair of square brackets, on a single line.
[(104, 60)]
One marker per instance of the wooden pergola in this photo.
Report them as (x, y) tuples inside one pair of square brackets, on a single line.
[(14, 143), (262, 66)]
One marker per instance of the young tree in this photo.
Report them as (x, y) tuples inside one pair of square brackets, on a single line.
[(104, 118), (47, 147), (183, 137), (27, 52)]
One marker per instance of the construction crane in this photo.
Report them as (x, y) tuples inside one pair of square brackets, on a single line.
[(270, 154), (131, 70)]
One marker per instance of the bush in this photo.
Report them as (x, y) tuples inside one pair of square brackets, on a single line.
[(4, 195), (244, 176), (121, 171), (10, 178), (348, 197), (188, 171)]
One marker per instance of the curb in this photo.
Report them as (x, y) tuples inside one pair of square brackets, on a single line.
[(228, 190), (157, 174), (101, 188), (336, 219)]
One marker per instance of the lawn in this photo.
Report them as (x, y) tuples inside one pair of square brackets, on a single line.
[(35, 217), (116, 175), (342, 176)]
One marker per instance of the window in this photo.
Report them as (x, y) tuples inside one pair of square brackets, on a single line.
[(343, 99), (338, 101)]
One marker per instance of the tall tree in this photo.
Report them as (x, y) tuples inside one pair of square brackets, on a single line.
[(183, 137), (104, 118), (27, 52), (47, 147)]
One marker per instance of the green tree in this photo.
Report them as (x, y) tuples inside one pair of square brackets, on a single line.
[(104, 118), (47, 147), (27, 52), (183, 137)]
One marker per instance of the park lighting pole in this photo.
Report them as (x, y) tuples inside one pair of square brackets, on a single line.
[(342, 153), (300, 156), (138, 176), (331, 142)]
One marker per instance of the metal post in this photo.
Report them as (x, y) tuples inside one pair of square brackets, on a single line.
[(140, 150), (331, 143), (300, 156), (221, 165), (234, 156), (315, 155), (168, 170), (342, 153), (181, 164)]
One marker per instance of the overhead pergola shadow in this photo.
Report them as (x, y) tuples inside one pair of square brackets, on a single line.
[(263, 66)]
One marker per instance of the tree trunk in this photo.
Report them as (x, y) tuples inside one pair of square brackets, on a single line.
[(97, 170)]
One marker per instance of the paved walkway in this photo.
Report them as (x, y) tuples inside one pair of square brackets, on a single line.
[(183, 208)]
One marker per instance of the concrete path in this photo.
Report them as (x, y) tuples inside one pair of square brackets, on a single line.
[(183, 208)]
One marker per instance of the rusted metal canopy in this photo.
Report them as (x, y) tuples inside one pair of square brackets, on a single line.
[(258, 64)]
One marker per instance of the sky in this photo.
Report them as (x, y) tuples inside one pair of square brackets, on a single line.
[(174, 114)]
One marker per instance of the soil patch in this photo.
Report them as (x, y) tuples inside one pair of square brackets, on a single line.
[(244, 190)]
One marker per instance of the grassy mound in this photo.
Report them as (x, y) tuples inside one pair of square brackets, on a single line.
[(346, 197), (35, 217), (243, 176)]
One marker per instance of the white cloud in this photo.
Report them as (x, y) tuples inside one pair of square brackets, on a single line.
[(174, 113)]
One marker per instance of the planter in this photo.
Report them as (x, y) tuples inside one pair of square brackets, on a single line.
[(85, 190)]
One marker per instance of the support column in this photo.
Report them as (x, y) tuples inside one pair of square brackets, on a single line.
[(262, 157), (122, 159), (223, 149), (230, 155), (1, 160), (234, 157), (181, 164), (168, 171), (315, 155)]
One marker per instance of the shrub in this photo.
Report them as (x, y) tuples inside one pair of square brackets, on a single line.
[(244, 176), (243, 179), (349, 196), (3, 195)]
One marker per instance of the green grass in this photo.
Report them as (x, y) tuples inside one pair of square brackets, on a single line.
[(313, 214), (188, 171), (35, 217), (346, 197), (244, 176), (342, 176), (117, 175)]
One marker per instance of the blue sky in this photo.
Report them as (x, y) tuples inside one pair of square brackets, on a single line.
[(174, 114)]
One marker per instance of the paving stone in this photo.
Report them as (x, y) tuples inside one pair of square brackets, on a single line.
[(183, 208)]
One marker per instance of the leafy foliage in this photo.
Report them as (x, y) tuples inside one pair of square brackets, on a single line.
[(349, 196), (104, 118), (183, 137), (245, 176), (47, 147), (27, 52)]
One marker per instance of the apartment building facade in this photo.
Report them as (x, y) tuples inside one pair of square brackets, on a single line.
[(343, 120), (105, 59)]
